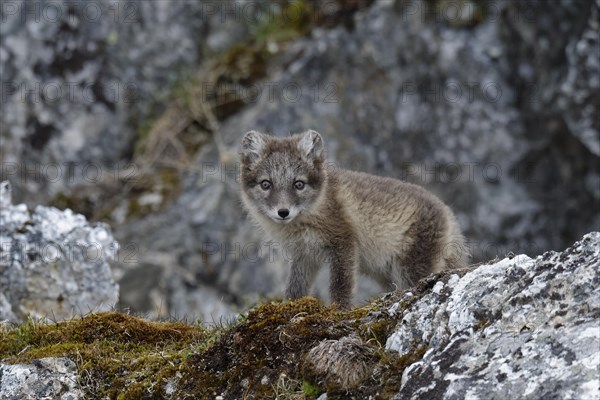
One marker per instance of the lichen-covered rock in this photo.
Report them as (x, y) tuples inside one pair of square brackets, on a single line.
[(46, 378), (75, 75), (521, 325), (53, 263), (581, 88)]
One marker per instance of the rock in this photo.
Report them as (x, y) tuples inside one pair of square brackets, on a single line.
[(46, 378), (565, 94), (580, 91), (201, 303), (521, 325), (53, 264), (5, 194), (79, 79)]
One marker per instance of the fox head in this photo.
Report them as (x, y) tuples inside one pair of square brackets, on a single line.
[(282, 178)]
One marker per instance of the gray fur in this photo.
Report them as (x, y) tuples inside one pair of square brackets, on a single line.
[(393, 231)]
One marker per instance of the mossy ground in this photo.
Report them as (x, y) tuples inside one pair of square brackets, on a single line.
[(120, 356)]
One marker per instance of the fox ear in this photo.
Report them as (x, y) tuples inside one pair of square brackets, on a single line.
[(312, 145), (252, 145)]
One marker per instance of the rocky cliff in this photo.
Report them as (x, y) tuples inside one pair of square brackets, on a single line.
[(493, 105), (519, 327)]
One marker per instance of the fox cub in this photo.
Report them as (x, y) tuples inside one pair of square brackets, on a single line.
[(393, 231)]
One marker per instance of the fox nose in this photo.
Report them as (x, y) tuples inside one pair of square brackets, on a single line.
[(283, 212)]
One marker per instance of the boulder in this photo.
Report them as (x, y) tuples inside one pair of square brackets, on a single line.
[(53, 263), (46, 378), (521, 325)]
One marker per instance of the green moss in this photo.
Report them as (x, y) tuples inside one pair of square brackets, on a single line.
[(141, 137), (262, 356), (117, 355), (76, 201), (271, 342), (393, 366), (309, 389), (458, 13), (294, 19), (378, 330)]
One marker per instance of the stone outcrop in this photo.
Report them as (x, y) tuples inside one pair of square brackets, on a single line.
[(47, 378), (53, 263), (80, 78), (521, 325)]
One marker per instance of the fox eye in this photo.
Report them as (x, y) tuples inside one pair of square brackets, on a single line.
[(299, 185), (265, 185)]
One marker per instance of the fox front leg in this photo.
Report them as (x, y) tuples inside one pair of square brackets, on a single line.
[(302, 275), (344, 266)]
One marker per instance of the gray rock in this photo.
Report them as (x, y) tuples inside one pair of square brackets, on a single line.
[(521, 325), (5, 194), (54, 264), (46, 378), (580, 90), (6, 312), (79, 78)]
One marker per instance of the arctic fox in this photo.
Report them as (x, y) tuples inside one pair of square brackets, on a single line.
[(393, 231)]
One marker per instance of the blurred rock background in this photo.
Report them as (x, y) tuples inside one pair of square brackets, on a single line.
[(130, 112)]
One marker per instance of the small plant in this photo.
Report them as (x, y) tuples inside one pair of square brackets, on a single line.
[(287, 389), (23, 334), (293, 20), (309, 389), (213, 336)]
